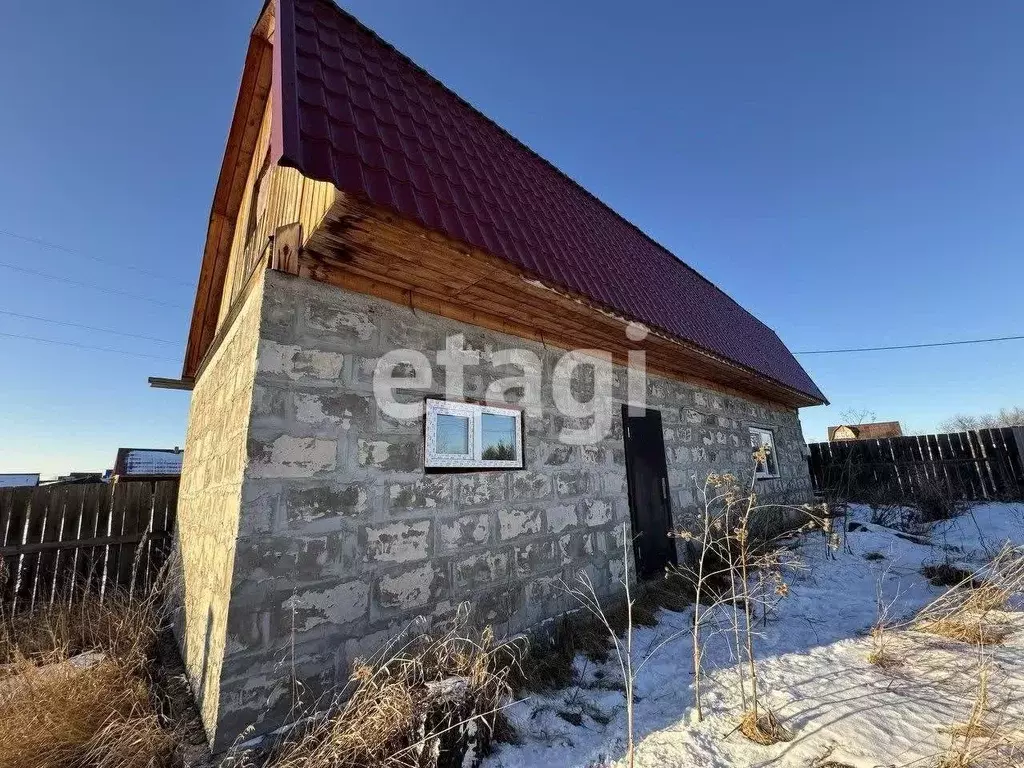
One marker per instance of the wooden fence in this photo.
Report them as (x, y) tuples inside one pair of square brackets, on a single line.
[(60, 541), (984, 464)]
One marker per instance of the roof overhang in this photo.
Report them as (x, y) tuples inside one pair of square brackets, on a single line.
[(253, 92)]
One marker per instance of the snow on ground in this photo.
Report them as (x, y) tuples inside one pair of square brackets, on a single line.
[(813, 668)]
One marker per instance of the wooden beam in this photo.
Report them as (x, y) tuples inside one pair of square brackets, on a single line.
[(159, 382)]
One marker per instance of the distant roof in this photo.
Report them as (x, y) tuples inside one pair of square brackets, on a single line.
[(872, 431), (148, 461), (352, 110), (19, 480)]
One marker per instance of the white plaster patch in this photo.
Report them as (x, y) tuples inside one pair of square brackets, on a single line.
[(373, 451), (333, 319), (596, 512), (342, 604), (296, 362), (294, 457), (398, 542), (309, 408), (480, 489), (518, 522), (410, 589), (561, 517), (565, 547), (471, 530)]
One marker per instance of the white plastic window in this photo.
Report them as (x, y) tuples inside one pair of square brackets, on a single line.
[(473, 436)]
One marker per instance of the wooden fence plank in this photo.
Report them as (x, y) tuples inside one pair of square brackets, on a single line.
[(137, 511), (85, 557), (115, 525), (42, 589), (18, 501), (1014, 439), (64, 559), (34, 524)]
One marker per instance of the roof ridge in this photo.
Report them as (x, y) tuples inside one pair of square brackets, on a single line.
[(523, 145)]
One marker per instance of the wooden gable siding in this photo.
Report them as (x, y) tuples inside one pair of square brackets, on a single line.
[(290, 197)]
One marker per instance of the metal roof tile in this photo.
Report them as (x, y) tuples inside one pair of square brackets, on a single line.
[(474, 182)]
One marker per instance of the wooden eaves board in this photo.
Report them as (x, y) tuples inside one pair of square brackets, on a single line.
[(366, 249)]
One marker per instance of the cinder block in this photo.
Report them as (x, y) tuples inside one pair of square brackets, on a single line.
[(401, 542)]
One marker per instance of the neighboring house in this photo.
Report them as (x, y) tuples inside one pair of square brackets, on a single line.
[(154, 463), (363, 208), (874, 431), (15, 480)]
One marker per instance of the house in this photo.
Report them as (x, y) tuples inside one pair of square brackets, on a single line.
[(873, 431), (15, 480), (149, 463), (385, 421)]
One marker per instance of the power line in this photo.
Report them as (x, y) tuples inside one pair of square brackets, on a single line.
[(91, 286), (74, 251), (912, 346), (88, 346), (87, 327)]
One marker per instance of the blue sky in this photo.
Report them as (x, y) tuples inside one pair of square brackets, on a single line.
[(849, 172)]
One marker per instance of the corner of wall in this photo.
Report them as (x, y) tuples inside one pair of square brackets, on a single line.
[(209, 502)]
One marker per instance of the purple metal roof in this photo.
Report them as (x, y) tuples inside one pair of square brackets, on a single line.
[(354, 111)]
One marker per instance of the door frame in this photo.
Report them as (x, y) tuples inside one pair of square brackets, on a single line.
[(673, 558)]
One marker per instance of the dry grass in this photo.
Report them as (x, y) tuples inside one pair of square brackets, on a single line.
[(434, 695), (119, 627), (764, 728), (59, 714), (886, 660), (962, 612), (987, 597), (964, 628)]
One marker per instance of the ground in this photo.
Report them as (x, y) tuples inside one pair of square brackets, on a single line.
[(814, 667)]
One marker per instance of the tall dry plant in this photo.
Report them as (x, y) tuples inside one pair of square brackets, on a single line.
[(882, 654), (988, 737), (617, 619), (586, 594), (736, 565)]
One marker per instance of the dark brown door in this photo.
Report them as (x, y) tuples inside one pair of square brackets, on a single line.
[(647, 478)]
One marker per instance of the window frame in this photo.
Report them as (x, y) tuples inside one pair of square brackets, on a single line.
[(432, 460), (763, 433)]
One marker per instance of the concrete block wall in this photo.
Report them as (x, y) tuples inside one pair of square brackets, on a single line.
[(210, 503), (342, 537)]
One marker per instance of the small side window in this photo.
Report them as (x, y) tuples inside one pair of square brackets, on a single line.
[(473, 436), (763, 439)]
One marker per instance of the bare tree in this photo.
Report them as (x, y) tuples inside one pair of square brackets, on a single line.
[(1006, 417)]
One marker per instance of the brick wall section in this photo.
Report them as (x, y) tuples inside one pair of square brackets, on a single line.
[(210, 500), (343, 538)]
